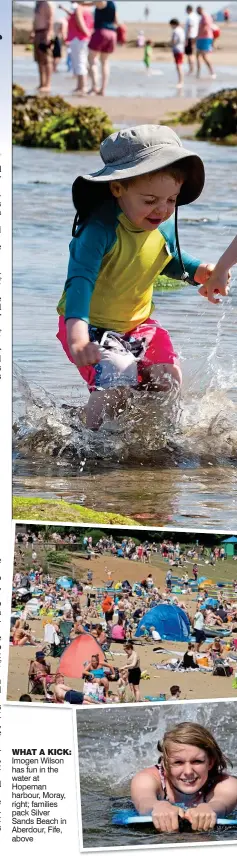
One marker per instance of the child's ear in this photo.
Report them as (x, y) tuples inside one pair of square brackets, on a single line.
[(115, 188)]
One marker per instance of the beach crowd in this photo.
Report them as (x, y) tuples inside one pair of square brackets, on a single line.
[(90, 32), (112, 613)]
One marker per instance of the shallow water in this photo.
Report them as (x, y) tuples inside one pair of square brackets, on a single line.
[(183, 475), (160, 83), (113, 746)]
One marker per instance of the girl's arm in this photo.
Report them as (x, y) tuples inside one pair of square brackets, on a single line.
[(221, 801), (147, 796), (223, 797), (145, 791)]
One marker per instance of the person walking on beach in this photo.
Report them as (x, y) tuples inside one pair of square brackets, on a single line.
[(43, 41), (204, 42), (177, 44), (80, 26), (102, 43), (191, 31)]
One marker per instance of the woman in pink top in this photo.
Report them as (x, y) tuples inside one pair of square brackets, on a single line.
[(118, 632), (204, 43), (80, 26)]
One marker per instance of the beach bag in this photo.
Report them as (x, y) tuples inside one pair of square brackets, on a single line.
[(222, 670), (216, 33), (121, 34)]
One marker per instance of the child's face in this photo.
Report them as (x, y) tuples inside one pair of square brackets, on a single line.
[(148, 200), (188, 767)]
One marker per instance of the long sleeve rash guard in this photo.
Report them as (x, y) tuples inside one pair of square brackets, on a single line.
[(112, 268)]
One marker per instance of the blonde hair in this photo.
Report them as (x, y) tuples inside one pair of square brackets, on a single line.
[(196, 735)]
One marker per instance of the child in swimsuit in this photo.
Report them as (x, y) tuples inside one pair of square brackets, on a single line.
[(125, 234), (191, 773)]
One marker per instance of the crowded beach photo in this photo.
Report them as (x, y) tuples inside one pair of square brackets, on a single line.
[(116, 616), (124, 132)]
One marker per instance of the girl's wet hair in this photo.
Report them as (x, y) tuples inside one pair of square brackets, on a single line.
[(197, 735)]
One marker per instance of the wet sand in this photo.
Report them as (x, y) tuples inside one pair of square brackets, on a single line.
[(193, 685)]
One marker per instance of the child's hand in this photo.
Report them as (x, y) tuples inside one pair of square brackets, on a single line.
[(203, 273), (85, 355), (165, 816), (202, 817), (218, 283), (84, 352), (212, 283)]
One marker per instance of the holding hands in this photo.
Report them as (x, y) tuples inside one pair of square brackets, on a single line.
[(213, 282), (216, 279)]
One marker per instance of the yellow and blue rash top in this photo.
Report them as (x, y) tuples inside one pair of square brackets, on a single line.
[(112, 268)]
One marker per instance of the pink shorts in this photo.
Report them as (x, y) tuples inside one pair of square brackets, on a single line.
[(159, 349), (103, 41)]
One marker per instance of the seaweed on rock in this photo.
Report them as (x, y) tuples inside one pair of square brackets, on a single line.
[(53, 123), (217, 114)]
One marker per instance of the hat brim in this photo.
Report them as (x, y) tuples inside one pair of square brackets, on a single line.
[(191, 188)]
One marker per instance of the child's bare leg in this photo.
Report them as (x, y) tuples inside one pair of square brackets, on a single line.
[(104, 403), (162, 376), (180, 75)]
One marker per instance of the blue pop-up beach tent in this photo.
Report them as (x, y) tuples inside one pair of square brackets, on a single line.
[(64, 582), (169, 620)]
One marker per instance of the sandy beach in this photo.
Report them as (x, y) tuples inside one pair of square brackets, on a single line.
[(193, 685)]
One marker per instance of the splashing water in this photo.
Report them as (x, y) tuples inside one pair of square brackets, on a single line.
[(113, 746), (203, 426)]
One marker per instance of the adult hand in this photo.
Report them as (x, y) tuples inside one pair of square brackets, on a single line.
[(165, 816), (202, 817)]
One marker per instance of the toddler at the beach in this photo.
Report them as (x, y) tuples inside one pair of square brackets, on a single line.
[(125, 234), (147, 54)]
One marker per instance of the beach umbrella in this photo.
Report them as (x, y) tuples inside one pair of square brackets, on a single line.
[(169, 620), (64, 582), (77, 654)]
